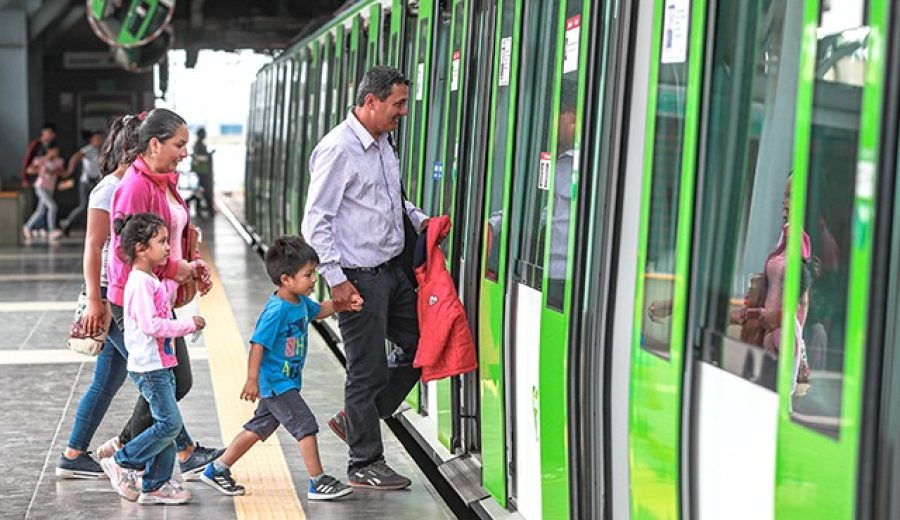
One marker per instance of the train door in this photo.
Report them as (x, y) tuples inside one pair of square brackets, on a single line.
[(418, 114), (373, 54), (281, 147), (472, 134), (435, 395), (828, 282), (677, 35), (300, 143), (493, 366)]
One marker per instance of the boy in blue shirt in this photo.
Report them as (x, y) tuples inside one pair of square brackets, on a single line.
[(274, 373)]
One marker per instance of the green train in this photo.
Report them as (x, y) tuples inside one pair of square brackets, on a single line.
[(623, 178)]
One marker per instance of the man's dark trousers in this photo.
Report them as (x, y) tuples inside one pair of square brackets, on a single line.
[(373, 390)]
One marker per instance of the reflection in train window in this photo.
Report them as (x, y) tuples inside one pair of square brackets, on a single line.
[(494, 222), (533, 159), (840, 66), (665, 185), (746, 186)]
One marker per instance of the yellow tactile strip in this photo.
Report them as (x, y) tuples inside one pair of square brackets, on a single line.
[(263, 470)]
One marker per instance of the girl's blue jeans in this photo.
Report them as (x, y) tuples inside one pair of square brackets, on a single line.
[(154, 449)]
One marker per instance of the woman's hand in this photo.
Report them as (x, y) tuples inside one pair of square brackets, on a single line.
[(770, 319), (96, 317), (204, 278), (185, 272)]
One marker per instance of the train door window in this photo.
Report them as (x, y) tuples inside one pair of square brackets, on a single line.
[(665, 186), (338, 82), (833, 155), (300, 141), (451, 152), (417, 91), (437, 131), (362, 50), (533, 162), (749, 156), (325, 84), (494, 223), (566, 159), (409, 68), (312, 108)]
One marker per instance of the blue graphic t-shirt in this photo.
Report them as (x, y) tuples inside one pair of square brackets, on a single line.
[(282, 331)]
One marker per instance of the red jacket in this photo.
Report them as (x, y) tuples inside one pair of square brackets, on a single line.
[(446, 347)]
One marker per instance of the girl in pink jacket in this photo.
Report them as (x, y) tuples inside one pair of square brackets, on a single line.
[(150, 331)]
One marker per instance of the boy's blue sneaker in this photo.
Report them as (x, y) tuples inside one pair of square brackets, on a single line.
[(199, 459), (82, 466), (222, 481), (327, 487)]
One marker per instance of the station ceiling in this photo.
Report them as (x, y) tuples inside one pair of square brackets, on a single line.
[(262, 25)]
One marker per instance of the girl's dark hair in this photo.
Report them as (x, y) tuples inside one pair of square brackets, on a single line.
[(287, 255), (122, 137), (136, 229), (160, 123)]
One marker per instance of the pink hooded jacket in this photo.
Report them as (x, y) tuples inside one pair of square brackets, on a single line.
[(141, 191)]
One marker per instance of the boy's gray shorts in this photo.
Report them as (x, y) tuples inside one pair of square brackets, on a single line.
[(288, 409)]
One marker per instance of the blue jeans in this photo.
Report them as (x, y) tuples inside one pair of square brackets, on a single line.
[(154, 449), (109, 374)]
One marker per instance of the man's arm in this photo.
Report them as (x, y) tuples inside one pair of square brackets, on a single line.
[(328, 174)]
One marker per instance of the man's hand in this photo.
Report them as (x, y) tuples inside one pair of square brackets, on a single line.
[(424, 225), (342, 295)]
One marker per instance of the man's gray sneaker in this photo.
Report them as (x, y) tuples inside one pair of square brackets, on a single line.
[(82, 466), (377, 475), (199, 459)]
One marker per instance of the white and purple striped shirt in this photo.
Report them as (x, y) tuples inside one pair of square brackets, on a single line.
[(353, 212)]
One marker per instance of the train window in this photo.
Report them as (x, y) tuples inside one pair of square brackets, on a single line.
[(417, 91), (363, 51), (566, 161), (837, 94), (533, 159), (433, 176), (325, 84), (409, 68), (665, 187), (500, 124), (745, 186), (451, 152)]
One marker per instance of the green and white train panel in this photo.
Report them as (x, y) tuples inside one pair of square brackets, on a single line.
[(622, 178)]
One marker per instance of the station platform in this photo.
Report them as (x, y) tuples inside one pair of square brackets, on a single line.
[(42, 383)]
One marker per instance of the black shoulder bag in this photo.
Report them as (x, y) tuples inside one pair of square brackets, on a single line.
[(410, 234)]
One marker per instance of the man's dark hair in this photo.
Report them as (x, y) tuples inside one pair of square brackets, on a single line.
[(379, 81), (287, 255), (48, 126)]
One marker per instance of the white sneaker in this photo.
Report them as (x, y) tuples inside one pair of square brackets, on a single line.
[(171, 493), (123, 481), (109, 448)]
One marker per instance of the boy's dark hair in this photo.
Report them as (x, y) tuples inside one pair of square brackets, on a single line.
[(287, 255), (136, 229)]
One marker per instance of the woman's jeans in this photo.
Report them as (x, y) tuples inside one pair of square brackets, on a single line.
[(141, 417), (109, 374), (46, 208), (154, 449), (84, 194)]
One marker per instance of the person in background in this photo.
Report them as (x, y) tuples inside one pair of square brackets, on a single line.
[(149, 186), (201, 164), (109, 370), (47, 167), (89, 157), (278, 351), (354, 221), (150, 331), (36, 148)]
